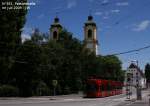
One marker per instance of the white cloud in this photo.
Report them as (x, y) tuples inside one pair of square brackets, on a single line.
[(71, 4), (105, 1), (115, 11), (142, 25), (40, 16), (26, 32), (122, 4), (98, 13), (105, 17), (25, 37)]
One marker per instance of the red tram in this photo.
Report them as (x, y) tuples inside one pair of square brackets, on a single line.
[(103, 88)]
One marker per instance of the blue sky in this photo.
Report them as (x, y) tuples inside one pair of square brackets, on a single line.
[(122, 24)]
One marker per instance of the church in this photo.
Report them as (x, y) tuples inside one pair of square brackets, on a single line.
[(90, 33)]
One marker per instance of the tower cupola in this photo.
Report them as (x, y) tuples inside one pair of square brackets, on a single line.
[(55, 29), (90, 35)]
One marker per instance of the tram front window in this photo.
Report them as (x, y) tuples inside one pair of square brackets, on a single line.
[(91, 87)]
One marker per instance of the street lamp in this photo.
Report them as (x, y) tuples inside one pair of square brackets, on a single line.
[(138, 88)]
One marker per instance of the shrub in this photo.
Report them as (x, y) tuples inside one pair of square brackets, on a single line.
[(8, 91), (43, 89), (66, 90)]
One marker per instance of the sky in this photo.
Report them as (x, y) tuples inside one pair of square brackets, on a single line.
[(123, 25)]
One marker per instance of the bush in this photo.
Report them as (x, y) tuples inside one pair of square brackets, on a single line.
[(8, 91), (43, 89), (66, 90)]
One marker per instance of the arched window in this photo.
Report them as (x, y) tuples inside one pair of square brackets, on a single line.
[(89, 34), (54, 35)]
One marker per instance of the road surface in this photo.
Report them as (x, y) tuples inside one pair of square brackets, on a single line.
[(69, 100)]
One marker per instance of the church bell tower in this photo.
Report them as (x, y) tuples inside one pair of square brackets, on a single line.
[(55, 29), (90, 35)]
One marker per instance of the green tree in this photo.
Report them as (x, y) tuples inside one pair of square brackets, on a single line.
[(11, 24), (111, 67), (26, 69), (37, 36), (52, 60), (70, 69)]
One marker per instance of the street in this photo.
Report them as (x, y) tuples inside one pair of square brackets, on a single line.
[(70, 100)]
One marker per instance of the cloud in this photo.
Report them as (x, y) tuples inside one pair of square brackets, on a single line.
[(71, 4), (26, 32), (105, 1), (122, 4), (25, 37), (115, 11), (40, 16), (98, 13), (57, 8), (105, 17), (141, 26)]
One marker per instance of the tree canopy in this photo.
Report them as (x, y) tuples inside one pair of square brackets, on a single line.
[(147, 72), (31, 67), (11, 24)]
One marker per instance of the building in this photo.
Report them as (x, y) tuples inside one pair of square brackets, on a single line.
[(55, 29), (135, 77), (90, 33)]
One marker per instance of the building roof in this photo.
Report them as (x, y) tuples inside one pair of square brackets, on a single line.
[(132, 65), (56, 23), (90, 21)]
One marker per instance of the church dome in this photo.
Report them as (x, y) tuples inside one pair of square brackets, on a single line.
[(56, 20), (90, 17)]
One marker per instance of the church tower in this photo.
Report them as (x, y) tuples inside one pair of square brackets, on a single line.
[(55, 29), (90, 35)]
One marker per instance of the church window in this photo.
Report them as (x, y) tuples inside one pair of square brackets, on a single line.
[(54, 35), (89, 34)]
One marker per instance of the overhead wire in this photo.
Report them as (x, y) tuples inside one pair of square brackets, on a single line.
[(130, 51)]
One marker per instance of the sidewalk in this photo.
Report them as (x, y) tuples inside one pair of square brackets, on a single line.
[(144, 102), (45, 98)]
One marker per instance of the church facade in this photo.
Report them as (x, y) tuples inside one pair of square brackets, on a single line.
[(90, 33)]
